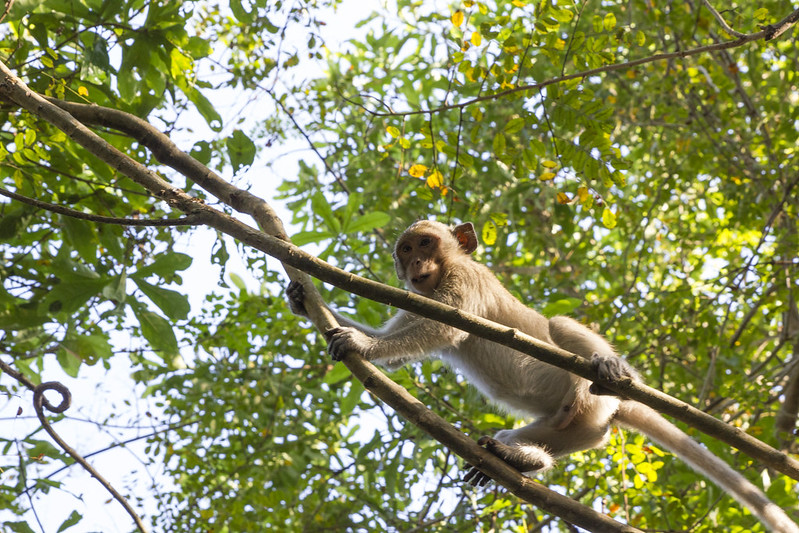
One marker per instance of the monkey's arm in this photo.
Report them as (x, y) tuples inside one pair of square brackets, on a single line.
[(404, 338), (296, 297)]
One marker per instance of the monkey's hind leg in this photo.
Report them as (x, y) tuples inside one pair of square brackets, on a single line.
[(524, 458), (534, 447)]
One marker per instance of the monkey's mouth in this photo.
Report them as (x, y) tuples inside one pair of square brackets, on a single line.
[(419, 279)]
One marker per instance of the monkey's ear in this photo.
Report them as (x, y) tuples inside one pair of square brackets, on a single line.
[(467, 238)]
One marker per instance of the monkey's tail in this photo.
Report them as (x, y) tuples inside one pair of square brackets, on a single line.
[(643, 419)]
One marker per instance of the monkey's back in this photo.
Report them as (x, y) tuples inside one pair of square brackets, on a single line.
[(510, 378)]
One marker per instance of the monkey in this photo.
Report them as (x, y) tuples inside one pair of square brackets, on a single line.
[(569, 413)]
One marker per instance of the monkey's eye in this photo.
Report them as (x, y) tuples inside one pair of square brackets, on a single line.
[(406, 249), (424, 241)]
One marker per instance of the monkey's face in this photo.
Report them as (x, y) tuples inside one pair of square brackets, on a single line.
[(417, 260)]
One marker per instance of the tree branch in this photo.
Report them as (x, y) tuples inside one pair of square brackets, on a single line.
[(191, 220), (723, 23)]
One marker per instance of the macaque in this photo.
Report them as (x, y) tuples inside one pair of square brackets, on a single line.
[(570, 414)]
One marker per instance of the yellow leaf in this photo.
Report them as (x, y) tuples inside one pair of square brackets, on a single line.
[(489, 233), (609, 22), (83, 91), (546, 176), (457, 18), (393, 131), (417, 171), (519, 3), (476, 39), (583, 194), (549, 163), (563, 198), (608, 218), (435, 180), (405, 143)]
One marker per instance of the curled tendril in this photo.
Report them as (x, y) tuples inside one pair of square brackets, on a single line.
[(40, 403), (39, 400)]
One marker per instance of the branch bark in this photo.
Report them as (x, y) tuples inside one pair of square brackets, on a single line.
[(14, 90)]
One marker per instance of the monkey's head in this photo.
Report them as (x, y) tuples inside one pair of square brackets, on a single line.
[(427, 249)]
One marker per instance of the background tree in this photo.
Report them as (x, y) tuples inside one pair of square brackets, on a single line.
[(654, 196)]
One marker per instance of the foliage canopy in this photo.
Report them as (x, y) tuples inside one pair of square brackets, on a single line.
[(655, 199)]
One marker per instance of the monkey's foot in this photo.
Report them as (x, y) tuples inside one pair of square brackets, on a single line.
[(341, 341), (611, 369), (296, 296), (522, 458)]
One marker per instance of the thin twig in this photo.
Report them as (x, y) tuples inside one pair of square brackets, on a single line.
[(39, 404), (191, 220), (9, 3), (723, 23)]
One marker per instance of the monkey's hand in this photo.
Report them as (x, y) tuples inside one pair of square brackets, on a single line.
[(522, 458), (296, 296), (340, 341), (610, 369)]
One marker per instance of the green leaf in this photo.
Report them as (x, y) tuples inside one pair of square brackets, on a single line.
[(206, 109), (82, 236), (352, 398), (240, 149), (368, 222), (337, 374), (73, 519), (499, 145), (237, 281), (97, 54), (562, 306), (240, 13), (174, 305), (302, 238), (164, 266), (73, 291), (77, 349), (321, 207), (514, 125), (158, 332), (18, 527)]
